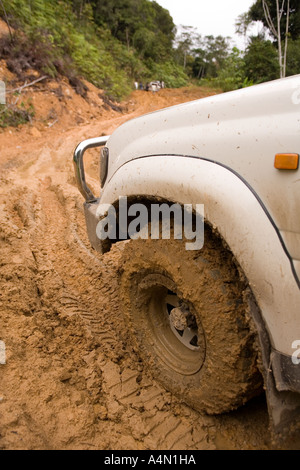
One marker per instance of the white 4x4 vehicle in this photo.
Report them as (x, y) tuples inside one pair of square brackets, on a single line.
[(211, 322)]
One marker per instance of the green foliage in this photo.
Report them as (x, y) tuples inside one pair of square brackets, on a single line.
[(261, 61), (232, 75), (67, 37), (201, 56), (216, 52), (112, 43), (293, 57), (56, 41), (169, 72), (14, 116), (256, 13), (282, 25), (143, 24), (186, 42)]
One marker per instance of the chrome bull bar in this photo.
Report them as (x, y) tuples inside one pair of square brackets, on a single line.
[(79, 165)]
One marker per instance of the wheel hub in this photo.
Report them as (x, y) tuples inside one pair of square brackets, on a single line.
[(184, 326), (178, 338), (178, 318)]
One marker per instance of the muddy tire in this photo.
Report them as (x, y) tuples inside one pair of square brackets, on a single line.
[(186, 312)]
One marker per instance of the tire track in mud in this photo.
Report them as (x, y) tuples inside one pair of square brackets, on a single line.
[(136, 400), (67, 282), (154, 421)]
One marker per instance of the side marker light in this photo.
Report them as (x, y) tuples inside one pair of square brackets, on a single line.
[(286, 161)]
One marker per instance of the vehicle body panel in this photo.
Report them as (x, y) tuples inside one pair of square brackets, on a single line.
[(243, 130)]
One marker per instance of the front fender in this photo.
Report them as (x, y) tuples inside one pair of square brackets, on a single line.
[(239, 216)]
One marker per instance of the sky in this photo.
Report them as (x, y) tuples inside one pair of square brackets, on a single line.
[(210, 17)]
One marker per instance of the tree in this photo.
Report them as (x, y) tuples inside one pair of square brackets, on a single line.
[(276, 30), (129, 20), (210, 56), (256, 13), (232, 75), (201, 56), (282, 20), (185, 43), (261, 64), (293, 58), (217, 51)]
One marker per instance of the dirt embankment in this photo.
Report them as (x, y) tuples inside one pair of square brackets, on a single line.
[(62, 388)]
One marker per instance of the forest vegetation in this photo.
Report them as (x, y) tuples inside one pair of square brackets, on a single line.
[(113, 43)]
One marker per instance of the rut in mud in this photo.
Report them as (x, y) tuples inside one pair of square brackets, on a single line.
[(61, 386)]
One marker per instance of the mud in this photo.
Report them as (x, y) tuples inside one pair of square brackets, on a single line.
[(63, 387)]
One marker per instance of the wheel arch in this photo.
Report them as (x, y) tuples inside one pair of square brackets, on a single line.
[(233, 209)]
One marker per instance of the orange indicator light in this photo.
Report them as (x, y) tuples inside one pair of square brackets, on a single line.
[(286, 161)]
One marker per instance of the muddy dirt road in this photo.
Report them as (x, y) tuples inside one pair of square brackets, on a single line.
[(62, 388)]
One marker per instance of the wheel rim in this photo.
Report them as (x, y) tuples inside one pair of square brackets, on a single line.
[(176, 335), (183, 323)]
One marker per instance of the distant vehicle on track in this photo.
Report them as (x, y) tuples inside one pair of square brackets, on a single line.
[(154, 86)]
